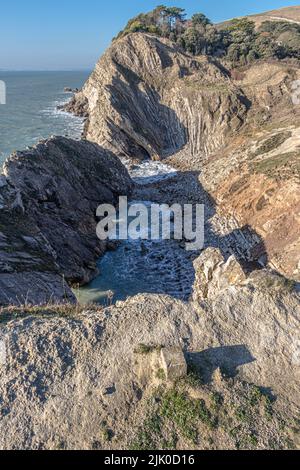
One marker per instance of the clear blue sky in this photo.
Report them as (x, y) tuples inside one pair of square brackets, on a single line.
[(71, 34)]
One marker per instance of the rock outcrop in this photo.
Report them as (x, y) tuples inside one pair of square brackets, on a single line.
[(146, 98), (254, 179), (48, 200), (213, 274), (78, 105), (66, 372)]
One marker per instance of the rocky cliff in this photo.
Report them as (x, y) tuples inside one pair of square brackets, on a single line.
[(48, 200), (256, 178), (147, 99), (91, 378)]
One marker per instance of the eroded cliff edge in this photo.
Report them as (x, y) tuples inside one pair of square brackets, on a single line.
[(48, 200), (90, 378)]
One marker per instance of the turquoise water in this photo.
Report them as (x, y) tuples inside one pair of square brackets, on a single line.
[(142, 266), (160, 267), (136, 266), (30, 113)]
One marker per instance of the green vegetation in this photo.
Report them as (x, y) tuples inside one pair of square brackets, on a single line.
[(176, 415), (280, 37), (255, 396), (193, 378), (105, 433), (242, 417), (268, 407), (160, 374), (277, 283), (238, 40), (149, 435), (216, 400), (243, 414), (145, 349), (185, 412), (182, 412), (272, 143), (281, 166)]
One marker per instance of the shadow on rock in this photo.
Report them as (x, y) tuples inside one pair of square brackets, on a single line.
[(226, 358)]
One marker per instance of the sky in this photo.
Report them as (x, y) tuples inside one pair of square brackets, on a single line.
[(72, 34)]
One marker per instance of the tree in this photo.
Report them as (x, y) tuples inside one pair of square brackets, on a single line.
[(195, 42), (174, 16), (234, 53), (200, 19), (158, 14), (217, 42), (136, 26), (240, 42), (251, 56), (175, 13), (242, 25), (190, 40)]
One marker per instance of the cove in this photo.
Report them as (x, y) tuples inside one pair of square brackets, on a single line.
[(142, 266)]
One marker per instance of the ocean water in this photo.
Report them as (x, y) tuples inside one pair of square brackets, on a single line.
[(136, 266), (30, 112), (142, 266)]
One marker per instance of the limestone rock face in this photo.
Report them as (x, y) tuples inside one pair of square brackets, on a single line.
[(146, 98), (48, 201), (254, 178), (213, 274), (63, 375)]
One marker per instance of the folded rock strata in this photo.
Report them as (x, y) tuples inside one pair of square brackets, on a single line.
[(48, 201), (146, 98)]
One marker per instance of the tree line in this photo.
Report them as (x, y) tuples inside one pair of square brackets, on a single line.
[(238, 40)]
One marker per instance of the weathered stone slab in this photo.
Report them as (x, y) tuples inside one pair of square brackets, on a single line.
[(174, 363), (34, 288)]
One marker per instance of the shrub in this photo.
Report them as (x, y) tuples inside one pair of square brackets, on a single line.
[(238, 41)]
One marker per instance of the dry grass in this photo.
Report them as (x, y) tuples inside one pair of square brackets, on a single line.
[(60, 310)]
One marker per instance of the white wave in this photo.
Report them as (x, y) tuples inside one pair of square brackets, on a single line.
[(73, 125), (149, 171)]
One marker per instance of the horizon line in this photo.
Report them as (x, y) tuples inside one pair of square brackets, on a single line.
[(48, 70)]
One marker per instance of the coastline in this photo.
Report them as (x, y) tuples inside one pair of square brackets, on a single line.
[(31, 115)]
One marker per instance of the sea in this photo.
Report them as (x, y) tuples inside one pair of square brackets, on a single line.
[(30, 113)]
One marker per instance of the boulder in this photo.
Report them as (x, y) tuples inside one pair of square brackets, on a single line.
[(213, 274), (173, 363)]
